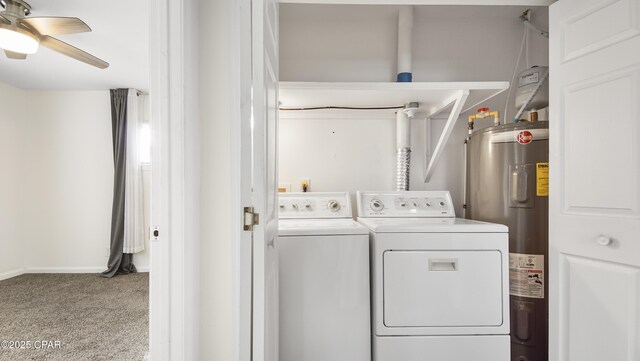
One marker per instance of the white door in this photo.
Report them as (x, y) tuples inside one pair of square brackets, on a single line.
[(595, 180), (264, 55)]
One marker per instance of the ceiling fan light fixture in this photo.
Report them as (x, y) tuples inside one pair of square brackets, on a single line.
[(18, 41)]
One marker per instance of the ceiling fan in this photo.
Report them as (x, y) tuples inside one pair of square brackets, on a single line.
[(20, 35)]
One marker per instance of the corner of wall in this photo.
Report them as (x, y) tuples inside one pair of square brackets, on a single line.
[(13, 159)]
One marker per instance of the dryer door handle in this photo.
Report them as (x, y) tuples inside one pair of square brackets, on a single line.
[(443, 265)]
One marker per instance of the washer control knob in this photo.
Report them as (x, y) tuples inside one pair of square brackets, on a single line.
[(403, 204), (377, 205), (282, 206), (442, 204), (333, 206), (307, 206), (295, 206), (428, 204), (415, 204)]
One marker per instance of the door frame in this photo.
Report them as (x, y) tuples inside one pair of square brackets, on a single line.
[(174, 281), (248, 344), (173, 286), (240, 102)]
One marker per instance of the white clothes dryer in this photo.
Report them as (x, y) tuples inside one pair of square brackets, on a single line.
[(439, 283), (324, 293)]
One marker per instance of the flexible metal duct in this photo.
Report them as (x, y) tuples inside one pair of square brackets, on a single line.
[(403, 164)]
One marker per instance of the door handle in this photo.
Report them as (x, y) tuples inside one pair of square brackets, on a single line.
[(443, 265), (603, 240)]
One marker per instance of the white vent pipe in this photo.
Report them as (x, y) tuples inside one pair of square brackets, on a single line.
[(405, 28), (403, 130), (403, 127)]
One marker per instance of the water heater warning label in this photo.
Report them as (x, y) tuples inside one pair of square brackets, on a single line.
[(526, 275), (542, 179)]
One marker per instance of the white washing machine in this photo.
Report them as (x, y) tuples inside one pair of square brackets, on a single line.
[(439, 283), (324, 279)]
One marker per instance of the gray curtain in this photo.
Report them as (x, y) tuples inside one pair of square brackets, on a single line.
[(119, 263)]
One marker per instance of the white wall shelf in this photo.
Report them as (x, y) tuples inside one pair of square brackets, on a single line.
[(442, 100), (424, 2), (432, 96)]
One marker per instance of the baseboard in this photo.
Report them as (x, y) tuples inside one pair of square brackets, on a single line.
[(65, 269), (72, 269), (11, 274)]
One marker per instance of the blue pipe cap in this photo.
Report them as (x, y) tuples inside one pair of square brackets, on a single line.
[(405, 78)]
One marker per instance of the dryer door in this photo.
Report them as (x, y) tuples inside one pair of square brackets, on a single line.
[(442, 288)]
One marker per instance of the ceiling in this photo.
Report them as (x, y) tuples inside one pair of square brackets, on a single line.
[(119, 36)]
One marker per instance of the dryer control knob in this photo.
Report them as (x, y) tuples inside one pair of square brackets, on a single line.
[(377, 205), (333, 206)]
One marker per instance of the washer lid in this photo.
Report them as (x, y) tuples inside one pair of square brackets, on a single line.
[(319, 227), (430, 225)]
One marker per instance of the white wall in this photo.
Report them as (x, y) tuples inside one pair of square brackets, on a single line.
[(216, 324), (12, 146), (355, 43), (70, 180), (56, 156), (359, 43), (337, 154)]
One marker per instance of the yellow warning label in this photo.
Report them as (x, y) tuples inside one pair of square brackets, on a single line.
[(542, 179)]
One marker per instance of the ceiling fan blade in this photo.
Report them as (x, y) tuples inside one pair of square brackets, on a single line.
[(72, 52), (13, 55), (4, 20), (56, 25)]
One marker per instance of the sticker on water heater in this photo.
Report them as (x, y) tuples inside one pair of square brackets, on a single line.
[(526, 275), (524, 137), (542, 179)]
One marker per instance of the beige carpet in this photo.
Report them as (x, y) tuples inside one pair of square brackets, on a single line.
[(92, 318)]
